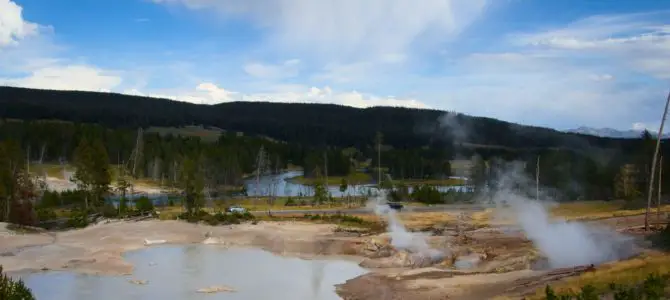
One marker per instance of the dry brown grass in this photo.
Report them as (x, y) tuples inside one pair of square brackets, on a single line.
[(417, 220), (588, 210), (598, 210), (621, 272)]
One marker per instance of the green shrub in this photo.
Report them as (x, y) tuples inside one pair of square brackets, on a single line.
[(13, 290), (46, 214), (109, 211), (426, 194), (50, 199), (661, 239), (78, 219), (247, 216), (227, 219), (210, 220), (652, 288), (192, 219), (220, 218), (289, 202), (588, 293), (144, 204), (123, 205), (351, 219)]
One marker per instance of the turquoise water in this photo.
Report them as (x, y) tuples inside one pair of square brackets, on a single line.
[(177, 272)]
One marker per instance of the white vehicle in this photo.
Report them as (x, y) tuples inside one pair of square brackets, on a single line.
[(237, 209)]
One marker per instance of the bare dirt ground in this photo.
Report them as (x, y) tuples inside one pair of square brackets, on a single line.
[(98, 248), (483, 262)]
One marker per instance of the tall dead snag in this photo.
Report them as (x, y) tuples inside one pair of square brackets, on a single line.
[(653, 164)]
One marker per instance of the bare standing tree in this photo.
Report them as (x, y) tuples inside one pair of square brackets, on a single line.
[(261, 169), (660, 182), (44, 148), (537, 179), (653, 164), (378, 140)]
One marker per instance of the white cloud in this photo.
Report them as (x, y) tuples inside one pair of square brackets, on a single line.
[(349, 29), (209, 93), (287, 69), (586, 73), (327, 95), (13, 27), (393, 58), (204, 93), (545, 89), (639, 126), (359, 71), (69, 77), (214, 92), (601, 77), (640, 41)]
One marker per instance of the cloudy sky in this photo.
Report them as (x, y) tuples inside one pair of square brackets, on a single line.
[(561, 64)]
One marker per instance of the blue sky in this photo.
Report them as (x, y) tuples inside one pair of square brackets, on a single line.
[(561, 64)]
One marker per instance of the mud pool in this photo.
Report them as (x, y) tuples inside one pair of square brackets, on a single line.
[(178, 272)]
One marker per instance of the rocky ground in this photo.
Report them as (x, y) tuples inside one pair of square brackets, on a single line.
[(477, 262)]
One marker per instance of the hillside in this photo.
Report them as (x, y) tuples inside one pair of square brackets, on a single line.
[(308, 124), (613, 133)]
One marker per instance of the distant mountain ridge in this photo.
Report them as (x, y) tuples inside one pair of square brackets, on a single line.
[(311, 125), (613, 133)]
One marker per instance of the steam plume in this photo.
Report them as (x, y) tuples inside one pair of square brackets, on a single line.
[(401, 239), (564, 243)]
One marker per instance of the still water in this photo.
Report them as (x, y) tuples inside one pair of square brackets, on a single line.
[(177, 272), (281, 185)]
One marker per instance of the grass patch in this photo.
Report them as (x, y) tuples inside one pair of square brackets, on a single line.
[(590, 210), (573, 211), (416, 221), (51, 170), (628, 272), (295, 203), (22, 229), (205, 134), (440, 182), (56, 170), (334, 180), (345, 221)]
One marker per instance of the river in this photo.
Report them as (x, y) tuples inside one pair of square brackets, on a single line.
[(281, 186)]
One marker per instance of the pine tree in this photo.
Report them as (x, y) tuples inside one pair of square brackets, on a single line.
[(625, 185), (13, 290), (83, 162), (92, 170), (193, 184), (101, 170)]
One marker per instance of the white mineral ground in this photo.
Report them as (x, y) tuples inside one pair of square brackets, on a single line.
[(98, 249)]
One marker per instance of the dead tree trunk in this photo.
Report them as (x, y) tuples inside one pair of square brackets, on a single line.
[(660, 184), (653, 165)]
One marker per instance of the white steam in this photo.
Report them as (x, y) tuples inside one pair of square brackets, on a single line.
[(453, 126), (401, 239), (564, 244)]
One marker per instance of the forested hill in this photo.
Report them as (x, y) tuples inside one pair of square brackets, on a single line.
[(308, 124)]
